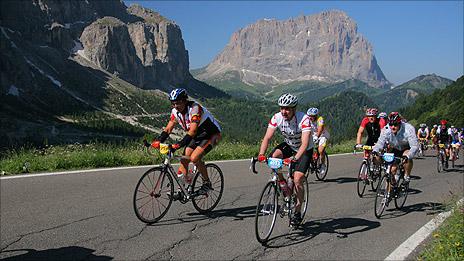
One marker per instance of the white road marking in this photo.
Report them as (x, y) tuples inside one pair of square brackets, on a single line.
[(18, 176), (406, 248)]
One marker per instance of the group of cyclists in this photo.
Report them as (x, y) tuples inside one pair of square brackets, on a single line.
[(303, 132)]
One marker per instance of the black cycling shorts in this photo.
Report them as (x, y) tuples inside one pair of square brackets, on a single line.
[(399, 153), (205, 141), (302, 164)]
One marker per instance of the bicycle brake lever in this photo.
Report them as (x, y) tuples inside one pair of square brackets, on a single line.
[(253, 165)]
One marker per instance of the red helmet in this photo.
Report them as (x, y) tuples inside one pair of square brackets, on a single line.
[(394, 118), (371, 112), (443, 122)]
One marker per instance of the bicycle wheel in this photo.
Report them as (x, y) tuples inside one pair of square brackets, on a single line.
[(151, 196), (440, 162), (321, 175), (204, 203), (375, 176), (266, 212), (304, 204), (382, 196), (401, 194), (362, 178)]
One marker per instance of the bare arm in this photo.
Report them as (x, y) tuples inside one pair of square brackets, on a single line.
[(266, 139), (359, 135)]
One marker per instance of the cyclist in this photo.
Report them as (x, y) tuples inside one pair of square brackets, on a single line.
[(423, 134), (403, 142), (203, 133), (444, 138), (372, 125), (433, 135), (455, 139), (298, 145), (320, 134)]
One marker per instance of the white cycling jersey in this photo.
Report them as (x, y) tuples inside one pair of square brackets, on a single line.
[(196, 112), (292, 129), (405, 138)]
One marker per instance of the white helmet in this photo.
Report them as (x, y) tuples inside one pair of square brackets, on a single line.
[(288, 100), (312, 111), (422, 125), (435, 125)]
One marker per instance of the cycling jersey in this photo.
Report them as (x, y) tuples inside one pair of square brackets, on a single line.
[(443, 136), (404, 139), (433, 132), (207, 124), (423, 132), (292, 129), (373, 129), (316, 124)]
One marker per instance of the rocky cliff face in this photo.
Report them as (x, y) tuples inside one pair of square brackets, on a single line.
[(324, 47), (138, 44)]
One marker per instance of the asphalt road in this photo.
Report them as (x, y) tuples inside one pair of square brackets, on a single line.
[(90, 216)]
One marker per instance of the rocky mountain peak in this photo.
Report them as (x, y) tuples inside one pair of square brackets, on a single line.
[(148, 15), (323, 47)]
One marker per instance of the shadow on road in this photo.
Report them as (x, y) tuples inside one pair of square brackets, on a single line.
[(431, 208), (342, 180), (62, 253), (236, 213), (342, 227)]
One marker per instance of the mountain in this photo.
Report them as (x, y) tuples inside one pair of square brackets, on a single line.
[(406, 93), (444, 103), (77, 70), (324, 48)]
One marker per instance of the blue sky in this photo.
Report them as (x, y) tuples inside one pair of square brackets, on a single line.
[(410, 38)]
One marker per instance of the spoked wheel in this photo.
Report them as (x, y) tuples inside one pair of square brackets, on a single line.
[(151, 196), (440, 163), (320, 175), (376, 174), (382, 196), (305, 203), (266, 212), (362, 179), (207, 200), (401, 194)]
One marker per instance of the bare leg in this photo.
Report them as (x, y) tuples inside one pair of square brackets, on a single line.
[(298, 178)]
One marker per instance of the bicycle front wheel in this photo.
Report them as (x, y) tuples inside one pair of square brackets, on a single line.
[(304, 204), (266, 212), (207, 201), (401, 194), (362, 179), (375, 176), (440, 162), (151, 196), (320, 175), (381, 197)]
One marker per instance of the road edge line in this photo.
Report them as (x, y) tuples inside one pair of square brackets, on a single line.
[(408, 246), (32, 175)]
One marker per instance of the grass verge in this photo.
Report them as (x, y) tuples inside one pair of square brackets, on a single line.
[(100, 155), (448, 240)]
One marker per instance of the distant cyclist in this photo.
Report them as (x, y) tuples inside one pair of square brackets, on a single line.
[(423, 132), (443, 137), (433, 135), (320, 134), (372, 125), (203, 133), (298, 145), (402, 140)]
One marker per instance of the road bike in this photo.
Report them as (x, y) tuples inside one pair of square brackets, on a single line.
[(154, 192), (423, 146), (315, 165), (391, 187), (369, 173), (442, 160), (273, 202)]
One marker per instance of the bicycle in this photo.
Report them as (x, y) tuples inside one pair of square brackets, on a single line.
[(369, 173), (391, 188), (154, 191), (270, 204), (453, 153), (315, 165), (442, 160), (423, 146)]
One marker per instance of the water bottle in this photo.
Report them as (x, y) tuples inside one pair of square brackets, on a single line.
[(290, 184), (283, 186)]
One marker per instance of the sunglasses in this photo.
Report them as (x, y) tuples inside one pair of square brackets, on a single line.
[(394, 124)]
